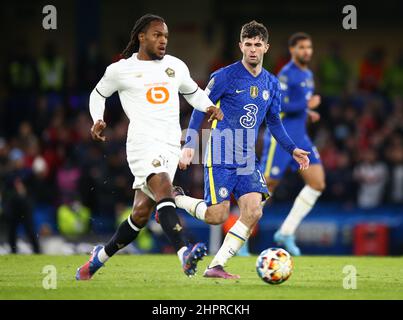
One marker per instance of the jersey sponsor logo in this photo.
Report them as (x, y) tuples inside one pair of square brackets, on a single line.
[(223, 192), (249, 119), (265, 95), (157, 95), (239, 91), (254, 91), (170, 72)]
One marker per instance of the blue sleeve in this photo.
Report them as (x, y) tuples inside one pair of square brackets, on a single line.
[(195, 123), (274, 123), (217, 85), (293, 99)]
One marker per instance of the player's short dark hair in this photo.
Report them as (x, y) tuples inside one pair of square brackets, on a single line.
[(254, 29), (296, 37), (141, 25)]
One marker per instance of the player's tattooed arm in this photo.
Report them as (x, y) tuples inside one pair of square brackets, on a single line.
[(96, 131)]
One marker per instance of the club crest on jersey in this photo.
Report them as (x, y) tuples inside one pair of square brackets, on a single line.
[(156, 163), (210, 84), (265, 95), (254, 92), (223, 192), (170, 72)]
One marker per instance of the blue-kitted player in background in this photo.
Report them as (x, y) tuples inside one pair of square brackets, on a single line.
[(247, 94), (298, 102)]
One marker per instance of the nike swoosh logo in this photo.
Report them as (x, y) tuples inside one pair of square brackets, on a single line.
[(239, 91)]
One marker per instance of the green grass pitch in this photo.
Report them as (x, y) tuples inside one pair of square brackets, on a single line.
[(153, 277)]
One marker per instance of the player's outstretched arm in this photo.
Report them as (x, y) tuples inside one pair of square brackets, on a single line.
[(278, 131)]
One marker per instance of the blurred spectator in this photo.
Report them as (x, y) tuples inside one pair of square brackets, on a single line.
[(394, 78), (18, 202), (340, 182), (371, 71), (73, 219), (91, 68), (333, 73), (51, 70), (371, 175), (21, 83)]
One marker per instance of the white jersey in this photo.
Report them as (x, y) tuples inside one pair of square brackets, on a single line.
[(148, 91)]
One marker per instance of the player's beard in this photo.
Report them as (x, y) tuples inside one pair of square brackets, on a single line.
[(154, 56), (302, 61)]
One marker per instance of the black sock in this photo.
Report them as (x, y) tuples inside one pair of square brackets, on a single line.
[(170, 223), (125, 234)]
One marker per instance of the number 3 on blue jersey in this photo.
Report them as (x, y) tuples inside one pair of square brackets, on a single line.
[(248, 120)]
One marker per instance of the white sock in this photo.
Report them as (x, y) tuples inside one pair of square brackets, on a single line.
[(195, 207), (180, 252), (233, 241), (102, 256), (304, 202)]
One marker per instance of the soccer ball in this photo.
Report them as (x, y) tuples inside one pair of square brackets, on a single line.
[(274, 265)]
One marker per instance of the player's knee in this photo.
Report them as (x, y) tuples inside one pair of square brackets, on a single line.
[(217, 215), (255, 212), (318, 185)]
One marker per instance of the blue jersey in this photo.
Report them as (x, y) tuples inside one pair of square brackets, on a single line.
[(231, 166), (297, 87), (246, 102)]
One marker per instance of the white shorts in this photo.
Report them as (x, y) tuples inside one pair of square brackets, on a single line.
[(152, 159)]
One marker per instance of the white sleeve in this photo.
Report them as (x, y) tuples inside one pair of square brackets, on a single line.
[(104, 89), (109, 83), (97, 106), (199, 100), (190, 90), (187, 85)]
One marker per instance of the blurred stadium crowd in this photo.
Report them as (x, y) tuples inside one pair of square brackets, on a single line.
[(48, 160)]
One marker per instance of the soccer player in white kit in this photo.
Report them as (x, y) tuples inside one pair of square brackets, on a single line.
[(148, 82)]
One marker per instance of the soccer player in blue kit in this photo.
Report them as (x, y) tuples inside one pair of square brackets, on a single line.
[(247, 94), (298, 102)]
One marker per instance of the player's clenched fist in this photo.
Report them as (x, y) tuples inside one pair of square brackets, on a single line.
[(314, 101), (301, 156), (96, 130), (215, 114), (186, 158)]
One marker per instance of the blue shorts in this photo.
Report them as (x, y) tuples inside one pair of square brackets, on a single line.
[(221, 181), (275, 160)]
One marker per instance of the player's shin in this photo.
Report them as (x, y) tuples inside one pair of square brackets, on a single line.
[(195, 207), (171, 225), (233, 242), (304, 202), (125, 234)]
